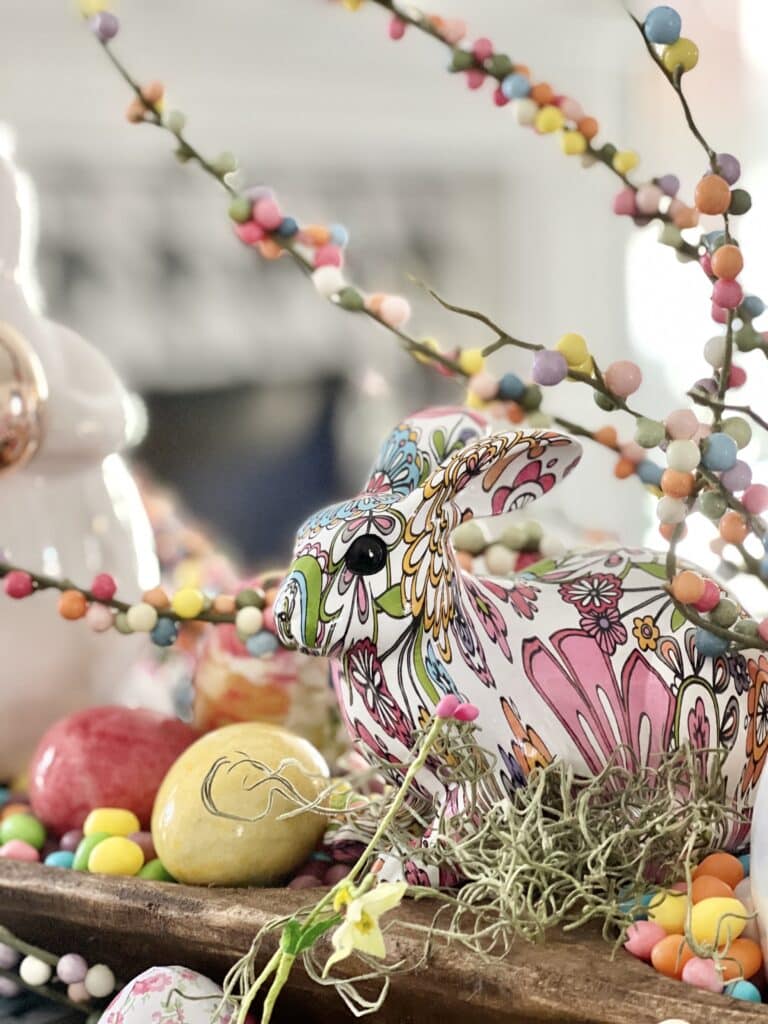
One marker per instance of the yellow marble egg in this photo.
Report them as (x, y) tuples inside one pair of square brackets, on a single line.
[(244, 843), (718, 920), (669, 910)]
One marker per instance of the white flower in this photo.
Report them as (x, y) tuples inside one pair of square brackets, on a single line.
[(360, 929)]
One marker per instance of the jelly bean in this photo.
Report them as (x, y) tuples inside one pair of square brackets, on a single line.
[(742, 959), (85, 848), (14, 807), (113, 820), (717, 920), (116, 856), (669, 910), (71, 840), (706, 886), (304, 882), (155, 871), (670, 955), (60, 859), (642, 937), (144, 840), (744, 857), (17, 849), (703, 974), (724, 866), (25, 827), (744, 990)]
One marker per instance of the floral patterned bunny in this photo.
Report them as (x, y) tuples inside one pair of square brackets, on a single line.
[(571, 659)]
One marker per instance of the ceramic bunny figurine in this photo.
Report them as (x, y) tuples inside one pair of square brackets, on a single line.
[(68, 505), (570, 661)]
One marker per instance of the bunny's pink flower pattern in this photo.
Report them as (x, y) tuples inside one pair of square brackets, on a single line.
[(594, 592), (364, 671), (605, 626)]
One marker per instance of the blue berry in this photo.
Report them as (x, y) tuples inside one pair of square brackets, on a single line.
[(662, 25), (752, 306), (288, 227), (339, 235), (515, 87), (720, 452), (511, 388), (709, 645), (261, 643), (165, 632), (649, 472)]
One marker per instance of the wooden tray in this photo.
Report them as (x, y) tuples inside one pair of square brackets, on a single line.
[(132, 924)]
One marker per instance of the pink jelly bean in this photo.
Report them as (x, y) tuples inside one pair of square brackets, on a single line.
[(17, 849), (703, 974), (679, 887), (304, 882), (335, 874), (642, 936), (144, 840)]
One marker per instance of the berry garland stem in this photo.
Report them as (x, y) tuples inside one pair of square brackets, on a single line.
[(7, 938), (701, 398)]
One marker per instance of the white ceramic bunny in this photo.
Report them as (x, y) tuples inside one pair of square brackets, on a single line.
[(570, 661), (68, 505)]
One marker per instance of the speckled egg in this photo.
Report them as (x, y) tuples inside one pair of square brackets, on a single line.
[(215, 820), (175, 995)]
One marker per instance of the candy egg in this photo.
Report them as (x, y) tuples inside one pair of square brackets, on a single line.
[(717, 920), (642, 937), (706, 886), (742, 959), (669, 910), (703, 974), (670, 955), (722, 865)]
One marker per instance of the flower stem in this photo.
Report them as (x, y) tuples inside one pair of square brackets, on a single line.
[(252, 992)]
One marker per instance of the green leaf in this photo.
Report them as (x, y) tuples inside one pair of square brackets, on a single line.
[(438, 442), (657, 569), (539, 568), (296, 937), (391, 602), (677, 620)]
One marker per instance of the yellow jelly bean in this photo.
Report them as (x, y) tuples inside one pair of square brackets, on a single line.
[(471, 361), (188, 602), (573, 143), (113, 820), (574, 348), (669, 910), (116, 856), (718, 920)]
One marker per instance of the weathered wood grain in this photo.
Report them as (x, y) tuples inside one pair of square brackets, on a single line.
[(133, 924)]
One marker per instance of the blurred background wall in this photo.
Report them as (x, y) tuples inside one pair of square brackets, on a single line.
[(265, 401)]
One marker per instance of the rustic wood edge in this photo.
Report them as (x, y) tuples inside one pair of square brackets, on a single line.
[(133, 924)]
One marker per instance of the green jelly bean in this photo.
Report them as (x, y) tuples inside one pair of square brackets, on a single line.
[(83, 851), (155, 871), (25, 827)]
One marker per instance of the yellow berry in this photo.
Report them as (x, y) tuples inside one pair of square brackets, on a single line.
[(473, 401), (432, 345), (574, 348), (88, 8), (188, 602), (188, 573), (573, 143), (683, 53), (587, 367), (352, 5), (471, 361), (625, 160), (549, 119)]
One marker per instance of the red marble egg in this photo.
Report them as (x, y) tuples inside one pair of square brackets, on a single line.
[(103, 757)]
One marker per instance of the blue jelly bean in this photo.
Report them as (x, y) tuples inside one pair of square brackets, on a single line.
[(662, 25), (287, 228), (745, 861), (261, 643), (720, 452), (709, 645), (165, 632), (515, 87), (5, 795), (743, 990), (752, 306), (649, 472), (339, 235), (511, 388), (60, 859)]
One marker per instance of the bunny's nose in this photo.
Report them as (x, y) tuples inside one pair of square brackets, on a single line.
[(284, 613)]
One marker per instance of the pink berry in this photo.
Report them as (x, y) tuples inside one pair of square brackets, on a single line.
[(396, 28), (267, 213), (466, 713), (727, 294), (328, 256), (710, 598), (18, 584), (737, 377), (71, 968), (648, 197), (633, 452), (268, 617), (104, 587), (571, 109), (642, 936), (705, 262), (250, 232), (703, 974), (623, 378), (484, 385), (762, 630), (99, 618), (454, 30), (475, 78), (755, 499), (482, 49), (681, 424), (395, 310), (719, 315), (499, 98), (624, 203), (446, 706)]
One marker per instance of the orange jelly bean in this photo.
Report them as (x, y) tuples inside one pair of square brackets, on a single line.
[(706, 886), (722, 865), (17, 808), (670, 955), (743, 959)]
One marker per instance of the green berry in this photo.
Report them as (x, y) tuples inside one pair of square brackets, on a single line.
[(240, 209), (747, 339), (713, 505), (533, 534), (350, 299), (250, 598), (670, 235), (649, 433), (469, 537), (121, 624), (499, 65), (724, 613), (539, 420), (738, 428), (225, 163), (603, 401), (607, 152), (176, 121), (514, 536), (531, 399), (462, 60), (747, 628), (741, 202)]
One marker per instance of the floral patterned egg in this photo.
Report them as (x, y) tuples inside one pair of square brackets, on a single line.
[(168, 995)]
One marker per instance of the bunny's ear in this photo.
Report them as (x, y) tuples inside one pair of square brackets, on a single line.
[(502, 472)]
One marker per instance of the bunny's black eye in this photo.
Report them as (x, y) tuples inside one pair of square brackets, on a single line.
[(366, 555)]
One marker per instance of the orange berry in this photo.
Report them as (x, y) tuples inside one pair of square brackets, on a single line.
[(465, 560), (588, 127), (515, 412), (712, 195), (157, 597), (624, 468), (316, 234), (748, 959), (727, 262), (606, 436), (523, 69), (543, 93), (153, 92), (677, 484), (667, 531), (135, 111), (733, 528), (224, 604), (373, 302), (684, 216), (704, 887), (688, 587), (270, 249), (270, 594), (670, 955), (72, 605), (722, 865)]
